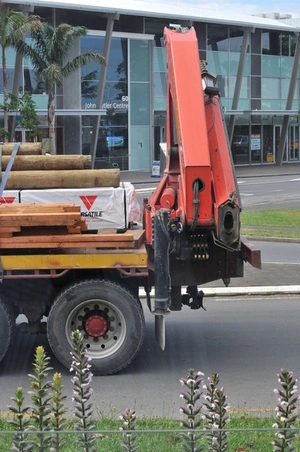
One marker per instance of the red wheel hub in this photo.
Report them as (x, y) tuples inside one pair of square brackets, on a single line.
[(96, 325)]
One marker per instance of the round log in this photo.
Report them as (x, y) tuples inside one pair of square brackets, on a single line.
[(18, 180), (48, 162), (24, 149)]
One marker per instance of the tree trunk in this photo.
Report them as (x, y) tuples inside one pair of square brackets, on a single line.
[(5, 112), (18, 180), (51, 117), (24, 148)]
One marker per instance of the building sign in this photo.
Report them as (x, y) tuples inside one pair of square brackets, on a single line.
[(255, 142), (119, 104)]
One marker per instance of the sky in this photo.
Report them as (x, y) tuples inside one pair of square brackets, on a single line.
[(248, 6)]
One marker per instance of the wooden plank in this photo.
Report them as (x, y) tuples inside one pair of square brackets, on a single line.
[(40, 219), (63, 245), (92, 238), (130, 239), (61, 241), (32, 207)]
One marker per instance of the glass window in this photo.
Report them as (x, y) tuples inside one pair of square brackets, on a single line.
[(159, 59), (139, 104), (255, 144), (218, 62), (244, 93), (112, 144), (240, 145), (235, 39), (270, 88), (160, 84), (270, 66), (10, 55), (234, 59), (271, 43), (271, 104), (10, 79), (139, 60), (217, 37), (285, 44), (267, 146), (33, 83), (116, 75), (286, 66)]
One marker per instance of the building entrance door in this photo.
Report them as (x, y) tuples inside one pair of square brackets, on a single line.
[(293, 143)]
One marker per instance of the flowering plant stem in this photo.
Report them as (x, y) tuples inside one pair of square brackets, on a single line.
[(82, 392), (216, 413), (285, 412), (192, 411)]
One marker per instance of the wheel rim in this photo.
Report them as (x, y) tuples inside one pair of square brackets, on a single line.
[(102, 325)]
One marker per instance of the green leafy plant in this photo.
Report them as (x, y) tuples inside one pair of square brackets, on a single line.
[(20, 422), (29, 117), (58, 419), (40, 396)]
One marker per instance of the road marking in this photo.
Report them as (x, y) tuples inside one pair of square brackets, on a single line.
[(276, 181)]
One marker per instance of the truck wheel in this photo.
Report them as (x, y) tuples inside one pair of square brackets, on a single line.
[(110, 319), (7, 327)]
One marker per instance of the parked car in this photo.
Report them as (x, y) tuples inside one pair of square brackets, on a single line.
[(240, 143)]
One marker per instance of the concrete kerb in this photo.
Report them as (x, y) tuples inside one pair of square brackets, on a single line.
[(241, 291)]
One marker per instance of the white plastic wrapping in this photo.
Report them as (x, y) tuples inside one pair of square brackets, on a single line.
[(102, 208), (10, 197)]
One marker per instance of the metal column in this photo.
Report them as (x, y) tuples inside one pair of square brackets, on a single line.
[(238, 84), (96, 122)]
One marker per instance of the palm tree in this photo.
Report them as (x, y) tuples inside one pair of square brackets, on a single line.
[(49, 56), (13, 27)]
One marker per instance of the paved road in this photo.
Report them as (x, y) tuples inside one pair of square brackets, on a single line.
[(262, 192), (246, 340)]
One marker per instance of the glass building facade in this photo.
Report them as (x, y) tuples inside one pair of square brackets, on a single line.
[(263, 94), (134, 101)]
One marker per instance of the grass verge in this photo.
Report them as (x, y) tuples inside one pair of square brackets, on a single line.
[(281, 223), (247, 433)]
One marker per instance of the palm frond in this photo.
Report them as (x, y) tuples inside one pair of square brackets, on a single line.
[(82, 60)]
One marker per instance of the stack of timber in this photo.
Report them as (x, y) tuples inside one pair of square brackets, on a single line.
[(33, 169), (30, 226)]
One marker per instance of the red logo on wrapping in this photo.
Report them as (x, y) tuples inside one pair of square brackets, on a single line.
[(7, 199), (88, 201)]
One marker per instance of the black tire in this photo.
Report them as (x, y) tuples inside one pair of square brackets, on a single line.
[(110, 319), (7, 327)]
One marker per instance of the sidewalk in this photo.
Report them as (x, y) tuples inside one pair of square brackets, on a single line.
[(272, 278)]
